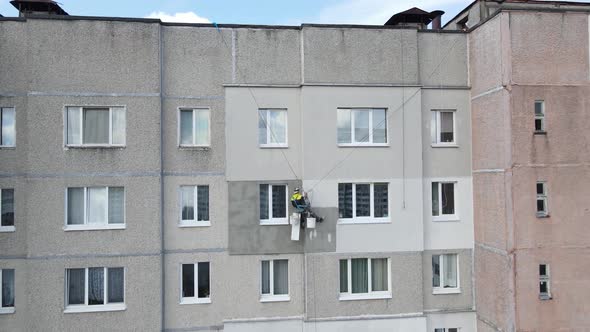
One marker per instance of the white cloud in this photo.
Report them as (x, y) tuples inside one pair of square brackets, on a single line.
[(376, 11), (186, 17)]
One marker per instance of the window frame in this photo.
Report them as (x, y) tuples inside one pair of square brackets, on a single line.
[(194, 136), (547, 279), (79, 308), (271, 297), (269, 132), (195, 222), (370, 295), (449, 290), (2, 145), (7, 310), (540, 117), (542, 197), (370, 219), (441, 216), (370, 143), (435, 128), (94, 145), (195, 299), (12, 228), (95, 227), (271, 220), (447, 329)]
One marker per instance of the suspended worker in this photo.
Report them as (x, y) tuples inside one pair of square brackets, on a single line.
[(303, 206)]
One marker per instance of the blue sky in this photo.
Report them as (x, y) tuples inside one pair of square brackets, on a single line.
[(288, 12)]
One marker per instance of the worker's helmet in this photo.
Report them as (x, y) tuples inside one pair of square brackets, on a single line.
[(296, 190)]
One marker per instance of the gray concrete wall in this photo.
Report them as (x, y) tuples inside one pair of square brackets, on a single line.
[(442, 59)]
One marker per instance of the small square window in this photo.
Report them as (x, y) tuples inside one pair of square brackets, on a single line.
[(443, 201), (445, 274), (194, 209), (273, 204), (194, 127), (272, 127), (539, 116), (274, 280), (195, 283), (443, 127)]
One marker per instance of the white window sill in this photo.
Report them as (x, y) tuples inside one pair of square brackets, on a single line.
[(195, 147), (95, 146), (194, 300), (443, 291), (8, 147), (545, 297), (275, 298), (446, 218), (542, 215), (72, 228), (7, 311), (366, 145), (365, 296), (444, 145), (273, 222), (7, 229), (95, 308), (188, 224), (273, 146), (356, 221)]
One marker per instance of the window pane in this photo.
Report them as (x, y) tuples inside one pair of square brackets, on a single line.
[(203, 281), (540, 205), (435, 203), (538, 108), (262, 123), (450, 265), (360, 275), (279, 201), (436, 271), (381, 200), (116, 205), (542, 270), (343, 276), (8, 128), (118, 125), (96, 126), (7, 207), (543, 289), (539, 124), (345, 200), (540, 188), (97, 205), (379, 126), (448, 198), (75, 206), (74, 114), (379, 274), (361, 126), (264, 202), (188, 280), (202, 127), (8, 288), (344, 126), (265, 277), (187, 194), (95, 285), (281, 277), (278, 126), (439, 330), (76, 281), (186, 127), (202, 203), (454, 329), (116, 282), (446, 127), (363, 197)]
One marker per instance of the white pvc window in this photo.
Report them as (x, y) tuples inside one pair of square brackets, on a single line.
[(95, 126), (272, 127), (451, 329), (365, 278), (95, 289), (362, 126), (7, 293), (8, 127), (443, 127), (195, 283), (194, 206), (539, 115), (363, 202), (445, 274), (544, 282), (542, 208), (274, 282), (195, 127), (95, 208), (273, 204), (7, 210), (444, 201)]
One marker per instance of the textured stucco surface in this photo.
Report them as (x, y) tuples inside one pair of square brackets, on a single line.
[(442, 59), (490, 210), (485, 57)]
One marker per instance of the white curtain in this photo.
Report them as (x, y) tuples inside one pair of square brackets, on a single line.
[(446, 127), (74, 130), (361, 126), (8, 128), (360, 275), (188, 201), (278, 126), (116, 205), (262, 124), (202, 127), (97, 205), (281, 277), (450, 265), (76, 286), (379, 274), (96, 126), (116, 279), (95, 285), (8, 288), (119, 124), (75, 206)]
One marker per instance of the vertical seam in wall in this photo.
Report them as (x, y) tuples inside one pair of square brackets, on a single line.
[(302, 54), (233, 56), (162, 256)]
